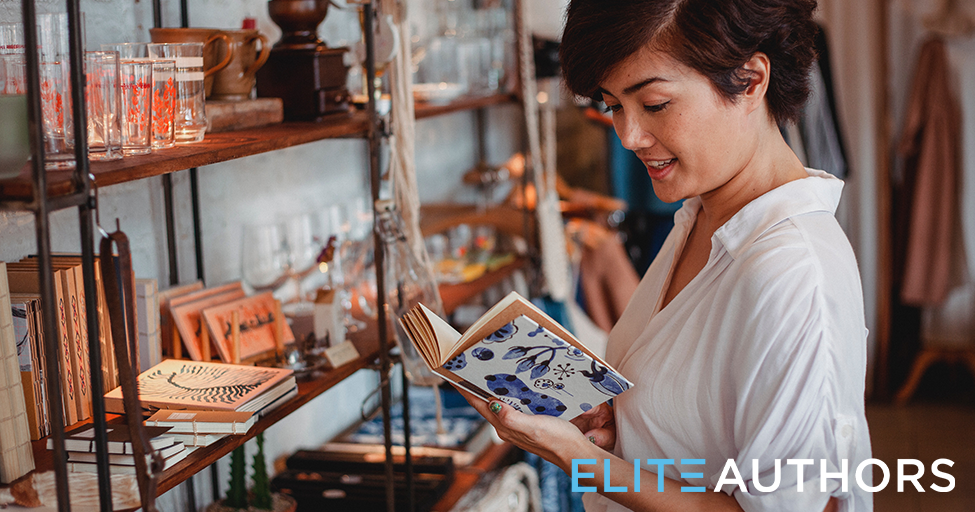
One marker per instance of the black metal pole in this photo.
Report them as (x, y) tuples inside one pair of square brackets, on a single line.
[(157, 13), (95, 359), (368, 17), (197, 232), (184, 14), (171, 251), (214, 482), (43, 234), (83, 182), (410, 491)]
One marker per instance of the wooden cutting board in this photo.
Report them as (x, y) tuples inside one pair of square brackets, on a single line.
[(225, 116)]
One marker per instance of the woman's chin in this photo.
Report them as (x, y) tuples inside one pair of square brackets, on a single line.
[(666, 193)]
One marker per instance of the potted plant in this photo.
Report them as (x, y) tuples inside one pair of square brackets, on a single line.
[(260, 496)]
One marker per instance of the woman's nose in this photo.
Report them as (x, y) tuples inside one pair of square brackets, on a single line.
[(631, 134)]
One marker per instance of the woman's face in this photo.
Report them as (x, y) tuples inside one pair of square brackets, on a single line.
[(691, 139)]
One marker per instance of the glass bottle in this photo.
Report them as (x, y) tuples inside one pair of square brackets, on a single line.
[(407, 283)]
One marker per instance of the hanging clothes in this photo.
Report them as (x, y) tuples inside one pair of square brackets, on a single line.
[(816, 138), (930, 146), (821, 127)]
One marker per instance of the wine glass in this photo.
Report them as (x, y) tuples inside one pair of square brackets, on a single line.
[(333, 221), (264, 257), (302, 253)]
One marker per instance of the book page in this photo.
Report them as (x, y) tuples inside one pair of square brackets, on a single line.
[(506, 310), (445, 335), (418, 329)]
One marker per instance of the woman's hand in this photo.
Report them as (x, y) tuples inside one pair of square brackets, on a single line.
[(598, 425), (553, 439)]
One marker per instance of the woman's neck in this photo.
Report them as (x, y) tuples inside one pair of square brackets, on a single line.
[(772, 164)]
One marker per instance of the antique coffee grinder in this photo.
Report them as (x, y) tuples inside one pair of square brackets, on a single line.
[(306, 74)]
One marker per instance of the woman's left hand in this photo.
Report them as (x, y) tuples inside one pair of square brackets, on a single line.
[(553, 439)]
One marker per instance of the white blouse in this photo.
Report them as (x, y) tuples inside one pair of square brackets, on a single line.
[(761, 356)]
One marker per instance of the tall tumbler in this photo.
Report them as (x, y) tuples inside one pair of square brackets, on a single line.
[(136, 85), (102, 95), (163, 103), (128, 50), (56, 110), (11, 38), (14, 142), (191, 121), (15, 81)]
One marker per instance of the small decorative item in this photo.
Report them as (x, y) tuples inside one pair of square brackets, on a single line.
[(257, 326), (303, 71), (187, 314), (260, 496)]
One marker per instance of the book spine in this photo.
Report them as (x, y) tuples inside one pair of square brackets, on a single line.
[(40, 365), (69, 401), (109, 371), (79, 340)]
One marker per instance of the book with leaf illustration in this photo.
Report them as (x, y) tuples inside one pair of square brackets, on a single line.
[(517, 354)]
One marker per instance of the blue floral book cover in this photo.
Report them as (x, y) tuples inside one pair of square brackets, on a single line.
[(517, 354)]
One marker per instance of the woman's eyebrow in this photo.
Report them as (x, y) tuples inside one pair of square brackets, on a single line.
[(636, 87)]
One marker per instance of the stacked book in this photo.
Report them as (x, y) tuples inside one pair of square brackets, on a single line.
[(201, 402), (80, 445)]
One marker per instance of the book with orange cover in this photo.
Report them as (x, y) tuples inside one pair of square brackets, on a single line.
[(198, 385)]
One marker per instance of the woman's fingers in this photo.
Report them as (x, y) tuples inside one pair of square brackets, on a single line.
[(604, 438)]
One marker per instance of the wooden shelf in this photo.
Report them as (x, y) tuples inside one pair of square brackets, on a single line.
[(221, 147), (366, 343), (454, 295), (216, 147), (424, 110)]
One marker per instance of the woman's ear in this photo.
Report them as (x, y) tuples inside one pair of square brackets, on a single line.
[(759, 70)]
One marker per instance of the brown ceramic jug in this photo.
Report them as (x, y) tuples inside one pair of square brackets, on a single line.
[(235, 82), (215, 58)]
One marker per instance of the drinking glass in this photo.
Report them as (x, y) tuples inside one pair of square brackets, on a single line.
[(128, 51), (191, 121), (56, 110), (15, 81), (136, 85), (263, 256), (163, 103), (102, 93), (11, 38), (14, 140)]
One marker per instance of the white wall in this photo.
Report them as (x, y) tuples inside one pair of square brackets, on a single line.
[(303, 178)]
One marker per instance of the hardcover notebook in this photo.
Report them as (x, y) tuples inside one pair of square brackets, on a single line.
[(198, 385), (203, 422), (519, 355), (119, 441)]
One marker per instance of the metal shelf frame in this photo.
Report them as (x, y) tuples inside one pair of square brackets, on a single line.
[(42, 207)]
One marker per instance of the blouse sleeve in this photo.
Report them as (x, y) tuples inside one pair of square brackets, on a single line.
[(789, 398)]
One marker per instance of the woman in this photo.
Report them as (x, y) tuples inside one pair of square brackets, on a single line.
[(746, 339)]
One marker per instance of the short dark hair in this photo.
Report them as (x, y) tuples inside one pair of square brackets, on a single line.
[(714, 37)]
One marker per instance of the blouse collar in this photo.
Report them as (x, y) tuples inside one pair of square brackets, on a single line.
[(820, 191)]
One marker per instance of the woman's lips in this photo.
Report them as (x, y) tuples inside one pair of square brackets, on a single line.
[(659, 169)]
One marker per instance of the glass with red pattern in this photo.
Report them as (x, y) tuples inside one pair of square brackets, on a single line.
[(163, 103), (102, 100), (136, 84)]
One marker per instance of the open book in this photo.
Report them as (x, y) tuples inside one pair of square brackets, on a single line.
[(517, 354)]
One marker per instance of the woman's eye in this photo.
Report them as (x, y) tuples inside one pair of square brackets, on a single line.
[(613, 108), (656, 108)]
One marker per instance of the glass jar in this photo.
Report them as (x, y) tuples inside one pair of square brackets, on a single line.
[(408, 282)]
